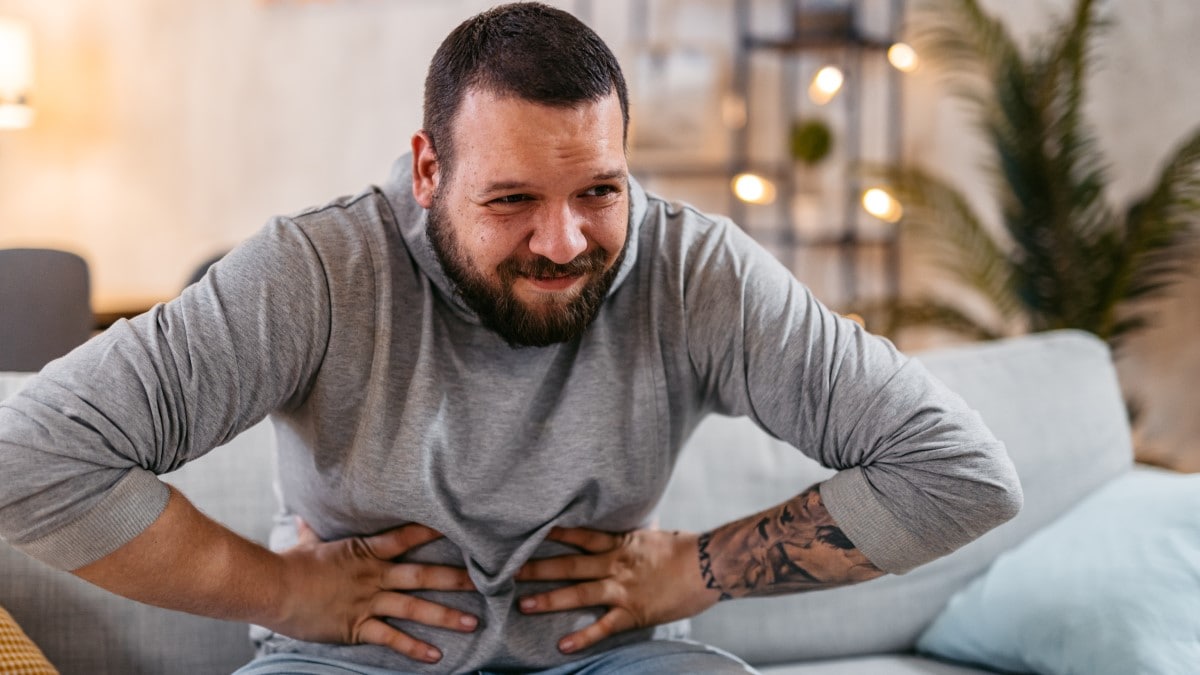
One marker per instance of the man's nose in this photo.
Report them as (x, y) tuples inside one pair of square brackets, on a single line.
[(558, 235)]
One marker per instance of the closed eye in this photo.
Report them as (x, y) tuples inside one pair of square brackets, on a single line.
[(511, 199)]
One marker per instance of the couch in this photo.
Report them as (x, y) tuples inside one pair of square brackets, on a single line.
[(1052, 398)]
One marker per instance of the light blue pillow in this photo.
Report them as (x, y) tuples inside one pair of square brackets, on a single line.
[(1113, 586)]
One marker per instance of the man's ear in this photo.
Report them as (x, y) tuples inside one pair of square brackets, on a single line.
[(425, 169)]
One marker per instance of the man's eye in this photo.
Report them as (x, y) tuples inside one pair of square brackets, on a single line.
[(510, 199), (601, 191)]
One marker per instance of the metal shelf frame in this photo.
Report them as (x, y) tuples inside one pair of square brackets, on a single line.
[(832, 31)]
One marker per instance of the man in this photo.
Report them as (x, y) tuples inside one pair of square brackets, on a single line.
[(480, 375)]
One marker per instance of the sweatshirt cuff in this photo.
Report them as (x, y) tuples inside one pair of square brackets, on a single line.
[(873, 530), (136, 501)]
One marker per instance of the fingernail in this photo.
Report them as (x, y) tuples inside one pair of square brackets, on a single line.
[(566, 646), (469, 621), (528, 603), (433, 655)]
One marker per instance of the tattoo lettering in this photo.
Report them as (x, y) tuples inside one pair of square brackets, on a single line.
[(793, 547), (706, 572)]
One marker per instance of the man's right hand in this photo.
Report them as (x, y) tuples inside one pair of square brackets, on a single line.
[(341, 591)]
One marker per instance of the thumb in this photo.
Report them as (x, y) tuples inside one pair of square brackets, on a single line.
[(304, 533)]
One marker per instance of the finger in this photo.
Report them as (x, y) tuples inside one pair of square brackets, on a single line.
[(616, 620), (575, 596), (376, 632), (400, 606), (593, 541), (420, 577), (397, 542), (305, 533), (564, 567)]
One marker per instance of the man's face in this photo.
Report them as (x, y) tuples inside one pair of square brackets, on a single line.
[(531, 223)]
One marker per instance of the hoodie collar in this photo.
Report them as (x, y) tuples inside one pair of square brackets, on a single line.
[(412, 220)]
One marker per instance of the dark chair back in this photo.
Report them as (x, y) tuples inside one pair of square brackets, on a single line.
[(45, 306)]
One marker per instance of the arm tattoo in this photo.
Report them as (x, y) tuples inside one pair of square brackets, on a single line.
[(706, 566), (792, 547)]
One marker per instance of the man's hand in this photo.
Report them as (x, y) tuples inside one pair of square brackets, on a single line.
[(341, 591), (644, 578), (338, 591)]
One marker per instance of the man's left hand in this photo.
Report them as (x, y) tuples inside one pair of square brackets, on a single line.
[(643, 577)]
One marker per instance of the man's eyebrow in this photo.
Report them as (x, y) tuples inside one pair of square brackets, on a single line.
[(506, 185), (611, 175)]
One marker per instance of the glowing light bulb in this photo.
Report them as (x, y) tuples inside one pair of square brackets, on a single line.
[(826, 84), (16, 74), (881, 204), (903, 57), (753, 189)]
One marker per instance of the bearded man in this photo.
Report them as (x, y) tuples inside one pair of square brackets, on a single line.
[(480, 374)]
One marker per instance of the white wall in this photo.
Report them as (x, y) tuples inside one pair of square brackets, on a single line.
[(170, 129)]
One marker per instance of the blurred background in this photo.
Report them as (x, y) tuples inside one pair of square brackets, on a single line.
[(147, 136)]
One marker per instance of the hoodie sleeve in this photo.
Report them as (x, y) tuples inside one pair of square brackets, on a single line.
[(919, 474), (82, 443)]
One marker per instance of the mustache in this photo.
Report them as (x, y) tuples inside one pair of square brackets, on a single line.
[(539, 266)]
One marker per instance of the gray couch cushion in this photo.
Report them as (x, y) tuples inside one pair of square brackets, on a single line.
[(1052, 398), (83, 629)]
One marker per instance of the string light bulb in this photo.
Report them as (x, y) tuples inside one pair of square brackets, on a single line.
[(903, 57), (16, 73), (881, 204), (753, 189), (826, 84)]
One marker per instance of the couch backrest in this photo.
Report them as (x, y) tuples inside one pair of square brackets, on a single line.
[(1053, 399)]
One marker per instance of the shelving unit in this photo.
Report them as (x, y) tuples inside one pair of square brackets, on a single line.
[(815, 225)]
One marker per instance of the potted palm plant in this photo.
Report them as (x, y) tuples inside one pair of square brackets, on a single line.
[(1063, 256)]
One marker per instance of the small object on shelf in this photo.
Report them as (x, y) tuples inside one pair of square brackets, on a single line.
[(810, 141)]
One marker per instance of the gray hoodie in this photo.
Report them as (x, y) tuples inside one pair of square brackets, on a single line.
[(392, 404)]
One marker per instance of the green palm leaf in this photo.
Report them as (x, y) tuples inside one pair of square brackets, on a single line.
[(891, 317), (1066, 259), (940, 222), (1161, 240)]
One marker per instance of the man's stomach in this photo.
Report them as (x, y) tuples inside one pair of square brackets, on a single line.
[(506, 639)]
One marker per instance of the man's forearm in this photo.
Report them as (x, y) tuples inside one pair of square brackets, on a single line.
[(188, 562), (339, 591), (789, 548)]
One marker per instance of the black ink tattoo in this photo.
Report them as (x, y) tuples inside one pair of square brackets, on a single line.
[(762, 528), (793, 547), (834, 537), (706, 573), (786, 516)]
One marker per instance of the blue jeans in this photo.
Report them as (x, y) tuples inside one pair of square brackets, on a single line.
[(654, 657)]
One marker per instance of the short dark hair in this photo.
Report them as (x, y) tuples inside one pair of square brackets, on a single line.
[(526, 50)]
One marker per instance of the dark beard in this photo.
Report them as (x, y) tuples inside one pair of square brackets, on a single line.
[(501, 311)]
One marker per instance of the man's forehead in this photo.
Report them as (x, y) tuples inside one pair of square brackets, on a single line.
[(511, 143)]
